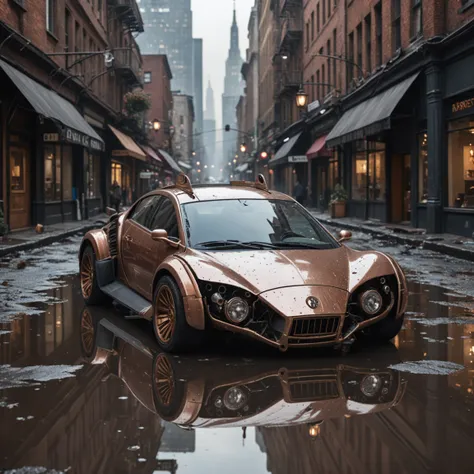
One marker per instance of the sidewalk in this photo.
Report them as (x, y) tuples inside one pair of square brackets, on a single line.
[(29, 239), (448, 244)]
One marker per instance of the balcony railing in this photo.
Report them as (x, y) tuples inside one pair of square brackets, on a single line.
[(129, 13), (291, 30), (286, 5), (289, 80), (127, 62)]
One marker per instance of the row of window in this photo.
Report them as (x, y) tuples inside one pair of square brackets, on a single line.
[(318, 19)]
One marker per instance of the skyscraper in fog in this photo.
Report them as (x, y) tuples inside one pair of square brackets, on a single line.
[(233, 89), (210, 126), (168, 30), (197, 84)]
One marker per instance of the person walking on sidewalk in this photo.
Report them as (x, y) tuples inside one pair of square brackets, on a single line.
[(116, 196), (299, 192)]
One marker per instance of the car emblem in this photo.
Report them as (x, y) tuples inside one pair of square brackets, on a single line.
[(312, 302)]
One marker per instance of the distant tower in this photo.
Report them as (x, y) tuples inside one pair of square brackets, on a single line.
[(210, 126), (233, 89)]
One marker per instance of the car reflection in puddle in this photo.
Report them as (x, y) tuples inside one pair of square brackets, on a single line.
[(195, 392)]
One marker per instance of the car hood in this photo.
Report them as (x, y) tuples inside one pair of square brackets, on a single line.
[(262, 270)]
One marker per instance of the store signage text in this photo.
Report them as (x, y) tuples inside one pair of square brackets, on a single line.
[(84, 140), (51, 137), (462, 105), (298, 159)]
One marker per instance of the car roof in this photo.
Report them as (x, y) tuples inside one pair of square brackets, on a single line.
[(223, 192)]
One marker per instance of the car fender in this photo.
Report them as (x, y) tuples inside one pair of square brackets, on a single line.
[(97, 239), (192, 298)]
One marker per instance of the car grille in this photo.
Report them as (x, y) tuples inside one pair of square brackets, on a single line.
[(312, 390), (315, 327)]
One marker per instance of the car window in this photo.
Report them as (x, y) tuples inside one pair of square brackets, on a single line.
[(165, 218), (143, 210)]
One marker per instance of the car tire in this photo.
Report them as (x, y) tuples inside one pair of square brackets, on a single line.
[(385, 330), (172, 331), (89, 286)]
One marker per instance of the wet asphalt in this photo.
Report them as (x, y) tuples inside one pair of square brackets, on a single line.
[(84, 390)]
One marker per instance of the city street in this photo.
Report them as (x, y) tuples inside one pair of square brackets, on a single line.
[(69, 404)]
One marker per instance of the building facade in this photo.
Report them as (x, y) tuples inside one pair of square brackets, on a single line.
[(64, 76), (233, 89), (198, 87), (183, 123), (209, 135), (168, 30)]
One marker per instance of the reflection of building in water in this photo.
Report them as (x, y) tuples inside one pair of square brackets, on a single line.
[(260, 441), (176, 439)]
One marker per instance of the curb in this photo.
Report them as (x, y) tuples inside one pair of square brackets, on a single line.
[(50, 239), (400, 239)]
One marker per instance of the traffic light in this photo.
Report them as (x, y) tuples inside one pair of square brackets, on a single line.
[(227, 128)]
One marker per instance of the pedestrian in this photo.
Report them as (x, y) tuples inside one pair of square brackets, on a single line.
[(299, 192), (116, 196)]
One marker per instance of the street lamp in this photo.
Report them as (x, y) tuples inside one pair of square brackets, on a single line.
[(156, 125), (263, 155), (243, 147), (301, 98)]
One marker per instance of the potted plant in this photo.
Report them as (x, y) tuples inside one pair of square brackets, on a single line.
[(338, 201), (3, 226), (136, 102)]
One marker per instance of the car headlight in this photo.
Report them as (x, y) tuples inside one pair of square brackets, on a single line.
[(237, 310), (370, 385), (371, 302), (234, 398)]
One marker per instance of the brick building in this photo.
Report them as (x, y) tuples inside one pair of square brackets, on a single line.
[(389, 117), (65, 67)]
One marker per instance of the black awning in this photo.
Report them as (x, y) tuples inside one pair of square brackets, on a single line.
[(51, 105), (281, 156), (169, 160), (369, 117)]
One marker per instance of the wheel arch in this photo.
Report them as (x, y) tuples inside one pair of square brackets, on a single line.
[(192, 298), (97, 239)]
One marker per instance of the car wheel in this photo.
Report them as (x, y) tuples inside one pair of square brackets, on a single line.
[(385, 330), (168, 390), (169, 320), (89, 286)]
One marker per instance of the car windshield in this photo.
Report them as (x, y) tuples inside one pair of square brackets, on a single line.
[(252, 224)]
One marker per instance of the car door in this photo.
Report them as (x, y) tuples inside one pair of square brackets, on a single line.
[(137, 247), (164, 217)]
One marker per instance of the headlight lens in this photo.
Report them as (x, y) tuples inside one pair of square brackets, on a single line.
[(371, 302), (237, 310), (234, 398), (370, 385)]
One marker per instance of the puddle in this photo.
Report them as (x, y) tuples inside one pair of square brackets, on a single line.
[(428, 367)]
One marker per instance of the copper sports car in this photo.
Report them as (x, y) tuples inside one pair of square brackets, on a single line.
[(240, 258)]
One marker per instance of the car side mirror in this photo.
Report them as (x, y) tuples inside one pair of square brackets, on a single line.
[(344, 235), (160, 235)]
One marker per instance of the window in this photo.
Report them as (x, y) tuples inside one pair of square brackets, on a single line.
[(423, 170), (416, 19), (396, 26), (461, 163), (17, 170), (147, 77), (50, 15), (312, 26), (378, 34), (350, 67), (318, 87), (329, 8), (368, 43), (359, 47), (328, 49), (323, 80), (67, 30), (52, 173), (142, 210), (92, 168), (334, 63), (324, 13), (116, 173), (312, 88), (67, 172), (307, 35), (318, 18), (165, 218)]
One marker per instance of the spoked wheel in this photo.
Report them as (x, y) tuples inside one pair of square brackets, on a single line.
[(168, 390), (172, 331), (165, 314), (87, 333), (89, 286)]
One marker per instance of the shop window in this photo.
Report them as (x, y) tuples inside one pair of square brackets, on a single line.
[(116, 174), (52, 173), (461, 163), (17, 170), (423, 168), (359, 176), (67, 173), (377, 175), (92, 167)]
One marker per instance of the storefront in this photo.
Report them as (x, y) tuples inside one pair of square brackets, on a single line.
[(46, 141), (171, 168)]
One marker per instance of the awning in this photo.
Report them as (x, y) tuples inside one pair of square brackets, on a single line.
[(370, 117), (151, 153), (184, 165), (170, 161), (242, 168), (52, 106), (281, 155), (130, 147), (317, 147)]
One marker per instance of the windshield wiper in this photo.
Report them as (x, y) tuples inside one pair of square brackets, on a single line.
[(227, 244), (263, 245), (303, 245)]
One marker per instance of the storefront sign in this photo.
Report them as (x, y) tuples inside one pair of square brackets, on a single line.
[(462, 105), (80, 139), (298, 159), (144, 175), (51, 137)]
